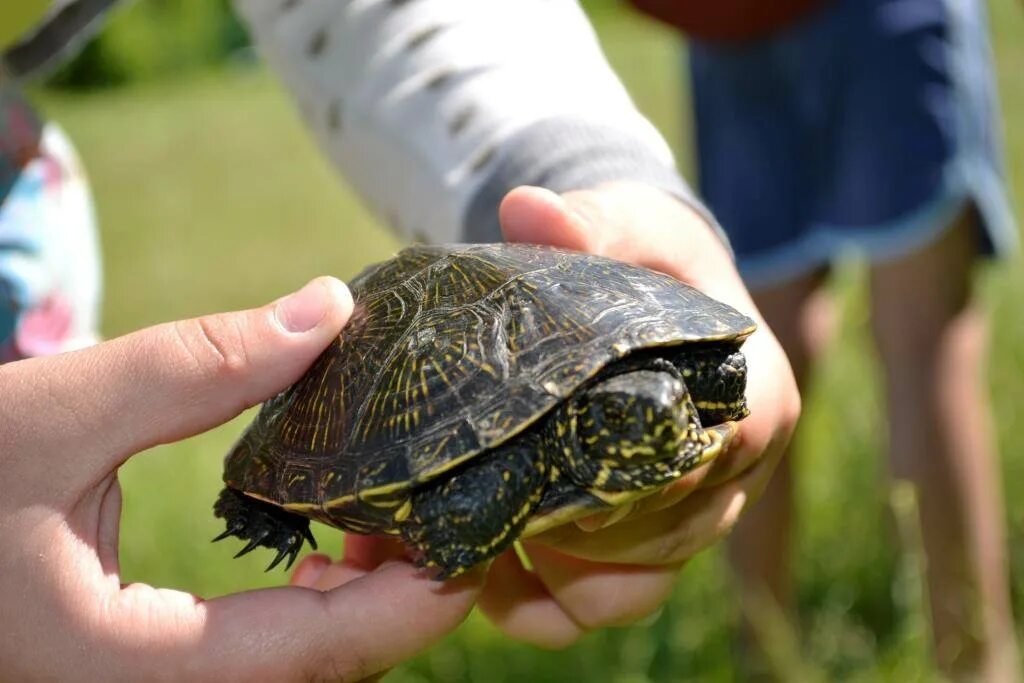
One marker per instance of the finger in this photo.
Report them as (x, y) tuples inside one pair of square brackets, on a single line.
[(370, 552), (362, 554), (516, 601), (94, 408), (309, 570), (669, 536), (631, 222), (599, 595), (338, 574), (538, 216), (367, 625)]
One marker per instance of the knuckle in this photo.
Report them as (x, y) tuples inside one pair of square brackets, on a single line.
[(596, 216), (215, 345)]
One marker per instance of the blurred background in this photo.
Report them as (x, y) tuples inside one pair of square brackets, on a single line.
[(212, 197)]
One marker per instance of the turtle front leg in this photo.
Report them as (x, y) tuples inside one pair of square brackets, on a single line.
[(476, 513), (263, 524)]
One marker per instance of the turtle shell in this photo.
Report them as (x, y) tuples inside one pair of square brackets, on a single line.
[(450, 351)]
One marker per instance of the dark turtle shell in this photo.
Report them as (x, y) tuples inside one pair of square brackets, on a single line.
[(450, 351)]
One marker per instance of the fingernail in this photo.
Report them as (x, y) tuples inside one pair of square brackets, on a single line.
[(303, 310)]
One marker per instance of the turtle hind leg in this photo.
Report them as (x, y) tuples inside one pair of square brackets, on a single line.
[(473, 515), (262, 524)]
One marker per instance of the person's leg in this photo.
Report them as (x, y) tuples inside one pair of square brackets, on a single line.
[(931, 336), (763, 172), (759, 546)]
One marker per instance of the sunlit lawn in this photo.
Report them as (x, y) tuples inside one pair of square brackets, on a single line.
[(212, 197)]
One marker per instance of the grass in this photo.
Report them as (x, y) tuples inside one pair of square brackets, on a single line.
[(212, 197)]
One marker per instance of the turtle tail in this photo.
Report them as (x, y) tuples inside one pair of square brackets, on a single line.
[(262, 524)]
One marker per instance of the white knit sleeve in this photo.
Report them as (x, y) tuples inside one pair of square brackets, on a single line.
[(433, 108)]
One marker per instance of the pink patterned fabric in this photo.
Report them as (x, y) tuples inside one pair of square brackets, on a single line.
[(49, 256), (45, 329)]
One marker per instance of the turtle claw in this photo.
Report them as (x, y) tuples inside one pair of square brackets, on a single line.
[(262, 524), (221, 536), (308, 535), (230, 531), (252, 544), (291, 552)]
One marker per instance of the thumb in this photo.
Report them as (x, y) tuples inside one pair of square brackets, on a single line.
[(604, 220), (88, 411), (539, 216), (628, 221)]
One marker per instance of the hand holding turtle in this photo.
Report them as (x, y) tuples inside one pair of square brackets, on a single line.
[(70, 421), (585, 576), (614, 576)]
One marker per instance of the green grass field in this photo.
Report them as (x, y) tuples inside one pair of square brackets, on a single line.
[(204, 188)]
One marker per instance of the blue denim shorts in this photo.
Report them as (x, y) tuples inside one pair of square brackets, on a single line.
[(871, 124)]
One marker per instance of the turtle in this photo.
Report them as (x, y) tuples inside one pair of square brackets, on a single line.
[(482, 393)]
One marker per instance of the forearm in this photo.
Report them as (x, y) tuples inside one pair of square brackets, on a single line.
[(433, 109)]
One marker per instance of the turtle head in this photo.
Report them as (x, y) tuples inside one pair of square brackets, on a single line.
[(636, 431), (636, 417)]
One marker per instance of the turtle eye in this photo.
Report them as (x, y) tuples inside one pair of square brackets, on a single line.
[(619, 414), (616, 411)]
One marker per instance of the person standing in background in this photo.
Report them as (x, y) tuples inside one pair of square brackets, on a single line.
[(454, 120), (824, 124), (50, 281)]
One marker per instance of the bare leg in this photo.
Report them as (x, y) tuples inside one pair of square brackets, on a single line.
[(759, 546), (932, 340)]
